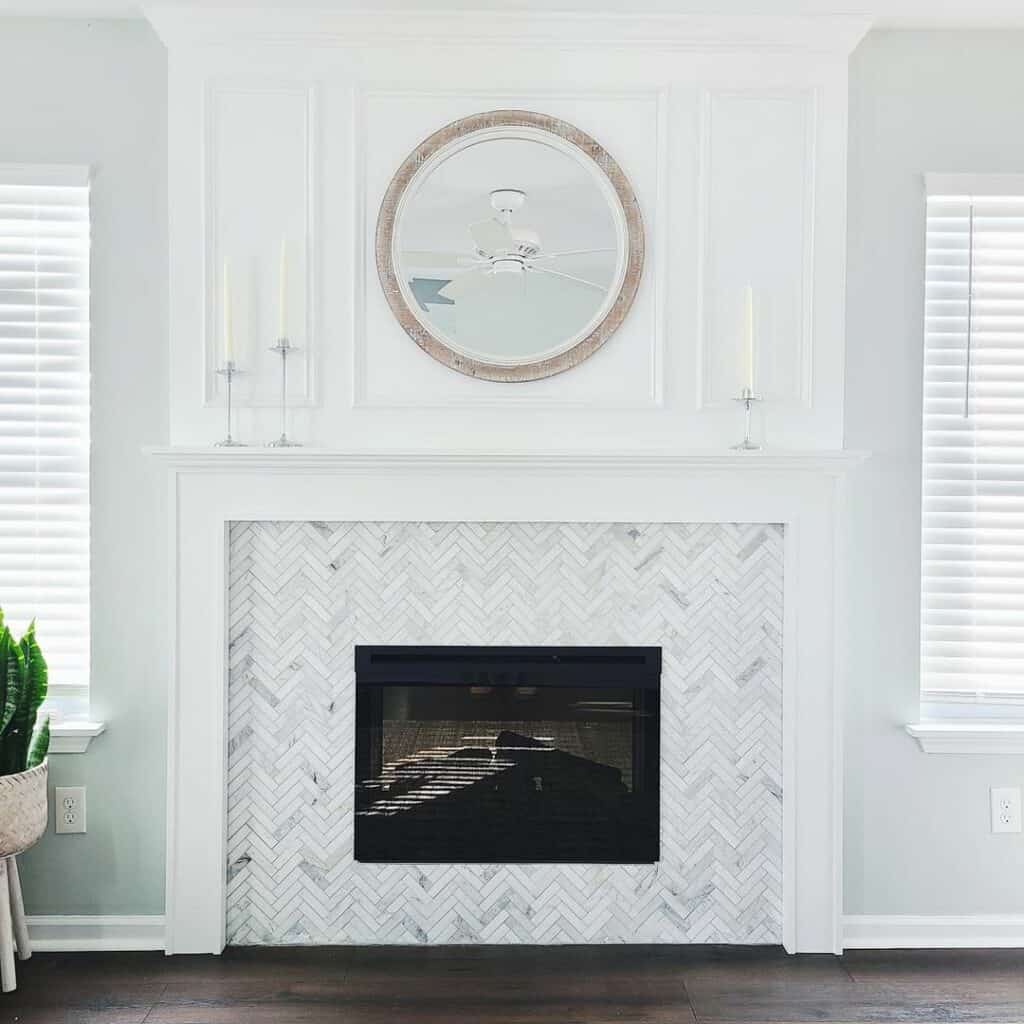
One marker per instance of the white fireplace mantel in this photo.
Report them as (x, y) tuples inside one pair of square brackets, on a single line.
[(211, 488), (340, 460)]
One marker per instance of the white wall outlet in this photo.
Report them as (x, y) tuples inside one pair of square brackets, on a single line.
[(70, 809), (1006, 809)]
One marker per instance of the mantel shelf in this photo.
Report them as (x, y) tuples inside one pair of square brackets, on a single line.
[(338, 460)]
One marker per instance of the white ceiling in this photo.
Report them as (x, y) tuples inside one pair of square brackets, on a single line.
[(892, 13)]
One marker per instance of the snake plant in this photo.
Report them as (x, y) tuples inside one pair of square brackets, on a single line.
[(22, 691)]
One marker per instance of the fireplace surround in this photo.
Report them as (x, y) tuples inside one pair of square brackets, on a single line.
[(504, 754), (305, 489)]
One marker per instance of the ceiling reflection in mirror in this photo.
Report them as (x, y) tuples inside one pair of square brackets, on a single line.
[(509, 249), (509, 246)]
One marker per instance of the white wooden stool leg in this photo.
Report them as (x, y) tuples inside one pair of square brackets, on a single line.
[(18, 910), (8, 979)]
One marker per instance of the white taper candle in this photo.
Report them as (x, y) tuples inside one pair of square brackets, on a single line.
[(748, 337), (229, 334), (282, 292)]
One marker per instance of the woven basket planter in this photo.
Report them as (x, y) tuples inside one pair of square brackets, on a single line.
[(22, 809)]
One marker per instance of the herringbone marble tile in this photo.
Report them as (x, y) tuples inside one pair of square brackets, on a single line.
[(302, 594)]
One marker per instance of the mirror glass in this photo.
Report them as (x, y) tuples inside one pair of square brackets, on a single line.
[(509, 247)]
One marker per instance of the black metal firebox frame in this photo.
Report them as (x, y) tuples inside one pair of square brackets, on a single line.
[(637, 668)]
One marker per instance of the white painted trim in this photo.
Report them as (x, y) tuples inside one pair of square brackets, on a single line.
[(968, 737), (53, 933), (74, 737), (836, 33), (802, 494), (53, 175), (334, 460), (911, 931), (974, 184)]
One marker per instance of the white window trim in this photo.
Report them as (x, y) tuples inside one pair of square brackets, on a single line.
[(966, 737), (74, 737), (990, 185), (969, 722)]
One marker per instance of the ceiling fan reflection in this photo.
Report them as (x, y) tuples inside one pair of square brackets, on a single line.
[(499, 248)]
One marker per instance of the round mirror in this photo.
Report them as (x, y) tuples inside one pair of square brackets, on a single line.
[(509, 245)]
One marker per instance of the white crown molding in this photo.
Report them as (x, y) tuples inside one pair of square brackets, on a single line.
[(333, 460), (968, 737), (900, 14), (910, 931), (53, 933), (178, 25)]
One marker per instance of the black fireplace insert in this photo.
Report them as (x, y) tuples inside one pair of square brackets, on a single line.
[(507, 754)]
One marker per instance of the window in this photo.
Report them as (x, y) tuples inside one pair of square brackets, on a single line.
[(44, 418), (972, 595)]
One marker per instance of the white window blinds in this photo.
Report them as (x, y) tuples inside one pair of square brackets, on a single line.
[(44, 417), (972, 602)]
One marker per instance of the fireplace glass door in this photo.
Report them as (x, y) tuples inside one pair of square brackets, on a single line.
[(507, 754)]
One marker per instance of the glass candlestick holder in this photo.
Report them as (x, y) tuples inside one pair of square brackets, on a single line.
[(229, 371), (284, 348), (747, 398)]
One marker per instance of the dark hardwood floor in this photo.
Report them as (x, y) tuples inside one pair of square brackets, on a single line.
[(517, 985)]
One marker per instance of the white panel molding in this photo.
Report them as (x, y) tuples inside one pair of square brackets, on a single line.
[(783, 34), (60, 933), (636, 387), (366, 205), (707, 336), (257, 85), (909, 931), (812, 124)]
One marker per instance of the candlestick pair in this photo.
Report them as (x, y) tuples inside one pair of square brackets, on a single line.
[(229, 371)]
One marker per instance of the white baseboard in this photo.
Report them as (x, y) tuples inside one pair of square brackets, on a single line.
[(60, 933), (65, 934), (909, 931)]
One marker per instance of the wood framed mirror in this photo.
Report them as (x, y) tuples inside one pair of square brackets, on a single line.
[(510, 245)]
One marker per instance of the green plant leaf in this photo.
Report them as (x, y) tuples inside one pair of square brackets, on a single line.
[(23, 688), (37, 674), (15, 677), (5, 655), (40, 744), (12, 743), (31, 693)]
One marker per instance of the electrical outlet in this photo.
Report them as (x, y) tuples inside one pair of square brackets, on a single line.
[(70, 810), (1006, 809)]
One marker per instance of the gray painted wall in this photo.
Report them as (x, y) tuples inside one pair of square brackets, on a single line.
[(95, 93), (917, 825)]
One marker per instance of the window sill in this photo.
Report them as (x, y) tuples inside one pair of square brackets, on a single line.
[(74, 737), (968, 736)]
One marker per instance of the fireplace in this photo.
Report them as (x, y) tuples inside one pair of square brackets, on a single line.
[(507, 754)]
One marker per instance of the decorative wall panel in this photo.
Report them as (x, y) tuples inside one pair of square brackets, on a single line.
[(389, 372), (302, 594), (758, 144), (261, 161)]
